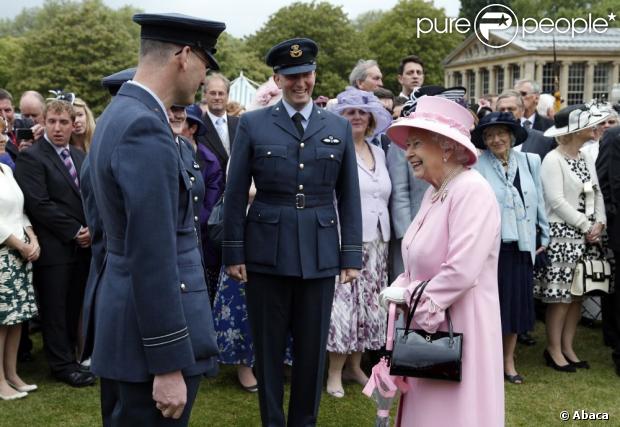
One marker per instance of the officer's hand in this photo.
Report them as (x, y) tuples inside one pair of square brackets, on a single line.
[(237, 272), (83, 237), (170, 394), (348, 274)]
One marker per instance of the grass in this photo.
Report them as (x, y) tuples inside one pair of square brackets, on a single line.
[(221, 402)]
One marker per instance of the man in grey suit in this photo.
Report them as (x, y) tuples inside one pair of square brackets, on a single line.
[(221, 128), (536, 142)]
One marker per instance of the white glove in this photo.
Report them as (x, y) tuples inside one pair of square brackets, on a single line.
[(393, 294)]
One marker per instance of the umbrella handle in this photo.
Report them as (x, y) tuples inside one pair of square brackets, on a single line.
[(389, 343)]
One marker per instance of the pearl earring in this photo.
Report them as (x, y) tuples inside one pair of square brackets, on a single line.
[(445, 159)]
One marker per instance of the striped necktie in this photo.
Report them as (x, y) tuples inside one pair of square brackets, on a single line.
[(66, 158)]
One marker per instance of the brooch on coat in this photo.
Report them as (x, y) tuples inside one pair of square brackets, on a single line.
[(330, 140)]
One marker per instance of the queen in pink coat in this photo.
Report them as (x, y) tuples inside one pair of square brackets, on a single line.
[(454, 243)]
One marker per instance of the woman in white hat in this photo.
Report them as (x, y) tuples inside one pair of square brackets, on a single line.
[(453, 243), (576, 215)]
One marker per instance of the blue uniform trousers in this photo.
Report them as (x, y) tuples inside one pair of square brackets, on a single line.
[(277, 305)]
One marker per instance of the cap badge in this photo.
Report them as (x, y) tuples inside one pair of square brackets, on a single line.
[(295, 51)]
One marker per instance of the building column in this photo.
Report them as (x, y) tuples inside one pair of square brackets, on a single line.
[(448, 78), (506, 68), (539, 72), (564, 80), (614, 73), (477, 83), (492, 70), (588, 82), (529, 71)]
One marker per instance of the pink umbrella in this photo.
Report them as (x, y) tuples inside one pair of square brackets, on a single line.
[(382, 386)]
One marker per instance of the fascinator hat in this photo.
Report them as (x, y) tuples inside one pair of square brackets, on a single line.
[(575, 118), (440, 116), (353, 98)]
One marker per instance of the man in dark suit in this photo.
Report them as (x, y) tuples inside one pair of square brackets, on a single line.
[(536, 142), (608, 169), (147, 318), (221, 128), (530, 92), (48, 175), (287, 246)]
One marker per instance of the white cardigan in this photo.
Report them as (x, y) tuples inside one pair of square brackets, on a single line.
[(13, 220), (562, 188)]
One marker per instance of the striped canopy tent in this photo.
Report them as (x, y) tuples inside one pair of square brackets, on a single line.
[(242, 90)]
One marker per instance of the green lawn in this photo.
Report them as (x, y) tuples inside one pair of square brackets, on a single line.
[(221, 402)]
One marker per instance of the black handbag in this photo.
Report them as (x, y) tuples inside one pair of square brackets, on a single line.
[(417, 353), (215, 224)]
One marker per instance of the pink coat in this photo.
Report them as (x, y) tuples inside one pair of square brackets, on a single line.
[(455, 245)]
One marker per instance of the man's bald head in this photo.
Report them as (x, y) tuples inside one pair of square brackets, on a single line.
[(32, 105)]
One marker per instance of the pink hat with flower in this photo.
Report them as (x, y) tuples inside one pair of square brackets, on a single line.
[(438, 115)]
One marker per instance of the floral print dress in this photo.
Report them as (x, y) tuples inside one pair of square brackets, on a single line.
[(552, 284)]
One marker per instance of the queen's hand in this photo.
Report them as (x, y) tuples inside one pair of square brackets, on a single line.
[(392, 294)]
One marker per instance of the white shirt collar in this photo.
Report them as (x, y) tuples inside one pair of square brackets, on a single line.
[(305, 112), (214, 118), (530, 118), (150, 92), (55, 147)]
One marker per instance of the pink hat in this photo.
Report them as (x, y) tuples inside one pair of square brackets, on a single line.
[(438, 115)]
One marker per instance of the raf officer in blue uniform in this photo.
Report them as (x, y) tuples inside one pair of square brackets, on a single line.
[(303, 228), (147, 315)]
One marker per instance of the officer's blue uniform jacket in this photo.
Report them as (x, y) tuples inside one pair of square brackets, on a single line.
[(148, 310), (292, 228)]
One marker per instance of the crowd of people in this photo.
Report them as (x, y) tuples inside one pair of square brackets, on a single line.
[(330, 209)]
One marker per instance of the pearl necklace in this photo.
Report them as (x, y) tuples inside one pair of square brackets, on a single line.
[(442, 192)]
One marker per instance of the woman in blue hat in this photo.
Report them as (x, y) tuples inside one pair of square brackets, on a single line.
[(515, 179)]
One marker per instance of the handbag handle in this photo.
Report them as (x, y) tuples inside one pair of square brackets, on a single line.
[(419, 290)]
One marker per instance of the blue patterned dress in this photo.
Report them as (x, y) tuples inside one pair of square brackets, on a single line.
[(232, 328)]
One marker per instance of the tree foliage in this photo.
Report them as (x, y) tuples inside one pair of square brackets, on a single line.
[(339, 45), (470, 8), (234, 56), (393, 37), (73, 46)]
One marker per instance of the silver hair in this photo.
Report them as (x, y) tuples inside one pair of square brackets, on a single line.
[(214, 76), (511, 94), (545, 102), (534, 84), (460, 154), (360, 71)]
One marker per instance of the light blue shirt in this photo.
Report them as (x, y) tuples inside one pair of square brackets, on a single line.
[(305, 112)]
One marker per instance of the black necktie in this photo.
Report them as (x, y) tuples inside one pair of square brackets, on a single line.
[(297, 118), (527, 124)]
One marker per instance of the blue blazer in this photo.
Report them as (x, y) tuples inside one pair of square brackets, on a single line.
[(532, 190), (147, 312), (291, 229)]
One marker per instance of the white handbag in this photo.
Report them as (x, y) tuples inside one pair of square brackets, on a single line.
[(591, 277)]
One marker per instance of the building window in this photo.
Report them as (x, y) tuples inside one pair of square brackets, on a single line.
[(548, 79), (458, 79), (471, 86), (499, 80), (484, 81), (516, 74), (576, 77), (601, 84)]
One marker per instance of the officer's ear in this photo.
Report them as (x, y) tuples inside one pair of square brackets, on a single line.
[(278, 79)]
